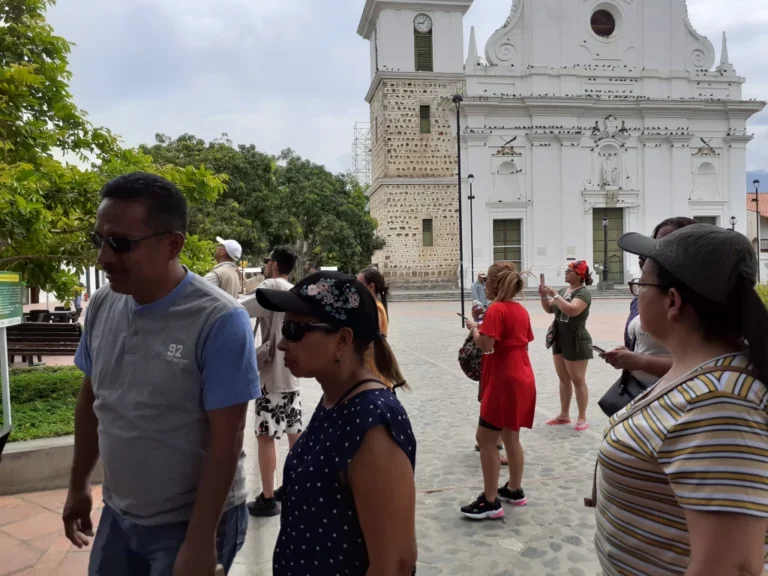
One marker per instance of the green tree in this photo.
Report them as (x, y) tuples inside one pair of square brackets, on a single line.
[(271, 201), (47, 205), (328, 219), (242, 212)]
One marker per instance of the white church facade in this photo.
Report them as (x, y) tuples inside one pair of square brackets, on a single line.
[(582, 120)]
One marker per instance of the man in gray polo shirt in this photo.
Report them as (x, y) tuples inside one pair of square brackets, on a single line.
[(169, 369)]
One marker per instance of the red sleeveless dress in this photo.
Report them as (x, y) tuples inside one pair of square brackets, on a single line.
[(507, 383)]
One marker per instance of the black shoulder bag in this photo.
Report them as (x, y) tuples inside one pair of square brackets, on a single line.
[(623, 391)]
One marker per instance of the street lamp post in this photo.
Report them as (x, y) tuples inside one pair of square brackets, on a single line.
[(605, 251), (756, 184), (733, 223), (457, 100), (471, 180)]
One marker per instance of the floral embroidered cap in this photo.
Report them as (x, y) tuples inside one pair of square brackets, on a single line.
[(331, 297)]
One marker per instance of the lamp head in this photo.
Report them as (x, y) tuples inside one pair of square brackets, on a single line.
[(458, 99), (605, 222), (756, 183), (733, 220), (471, 178)]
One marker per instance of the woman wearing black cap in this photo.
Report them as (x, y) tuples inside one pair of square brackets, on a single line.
[(349, 497), (683, 487)]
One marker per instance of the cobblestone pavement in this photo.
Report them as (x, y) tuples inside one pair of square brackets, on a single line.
[(553, 535)]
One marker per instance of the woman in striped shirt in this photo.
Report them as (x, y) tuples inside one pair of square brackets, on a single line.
[(683, 485)]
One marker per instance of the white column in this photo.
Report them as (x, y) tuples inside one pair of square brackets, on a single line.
[(547, 249), (682, 178), (656, 200), (574, 221), (735, 158)]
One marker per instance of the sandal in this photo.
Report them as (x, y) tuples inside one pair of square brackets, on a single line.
[(504, 460), (558, 421), (581, 425)]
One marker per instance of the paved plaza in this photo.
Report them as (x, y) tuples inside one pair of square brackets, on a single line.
[(552, 536)]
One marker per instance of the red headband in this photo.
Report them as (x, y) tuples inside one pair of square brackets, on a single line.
[(580, 268)]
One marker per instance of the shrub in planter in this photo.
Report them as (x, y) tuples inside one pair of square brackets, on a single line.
[(762, 291), (43, 401)]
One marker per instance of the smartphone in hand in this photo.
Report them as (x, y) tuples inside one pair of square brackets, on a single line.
[(541, 280), (597, 349)]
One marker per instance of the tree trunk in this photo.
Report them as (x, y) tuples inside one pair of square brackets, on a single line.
[(301, 261), (34, 295)]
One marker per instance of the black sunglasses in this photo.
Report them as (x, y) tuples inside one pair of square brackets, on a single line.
[(120, 244), (294, 331), (635, 286)]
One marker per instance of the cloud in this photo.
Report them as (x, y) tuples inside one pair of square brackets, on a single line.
[(287, 73), (275, 73)]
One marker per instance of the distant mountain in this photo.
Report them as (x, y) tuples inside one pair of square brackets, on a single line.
[(761, 175)]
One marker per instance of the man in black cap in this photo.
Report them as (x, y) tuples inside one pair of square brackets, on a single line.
[(348, 487), (278, 411)]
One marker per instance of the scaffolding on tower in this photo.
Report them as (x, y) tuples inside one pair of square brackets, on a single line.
[(361, 152)]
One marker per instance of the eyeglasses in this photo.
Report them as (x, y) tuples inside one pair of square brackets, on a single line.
[(294, 331), (120, 244), (635, 286)]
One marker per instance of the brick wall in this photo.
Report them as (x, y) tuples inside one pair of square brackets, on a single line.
[(400, 150), (400, 210)]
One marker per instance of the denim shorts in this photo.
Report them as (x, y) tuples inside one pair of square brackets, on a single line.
[(124, 548)]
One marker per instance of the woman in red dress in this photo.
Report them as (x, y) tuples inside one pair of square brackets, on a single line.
[(508, 390)]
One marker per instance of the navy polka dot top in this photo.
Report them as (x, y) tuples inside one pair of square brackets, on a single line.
[(320, 532)]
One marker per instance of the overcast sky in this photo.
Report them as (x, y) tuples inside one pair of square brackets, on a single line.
[(289, 73)]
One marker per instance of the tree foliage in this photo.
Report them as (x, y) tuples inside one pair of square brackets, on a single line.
[(47, 205), (277, 200), (242, 209)]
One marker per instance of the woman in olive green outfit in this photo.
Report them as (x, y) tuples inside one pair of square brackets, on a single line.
[(571, 350)]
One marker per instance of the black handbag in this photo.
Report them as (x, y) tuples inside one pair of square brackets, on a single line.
[(551, 334), (623, 391)]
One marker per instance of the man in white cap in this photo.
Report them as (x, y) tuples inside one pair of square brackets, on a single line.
[(224, 274)]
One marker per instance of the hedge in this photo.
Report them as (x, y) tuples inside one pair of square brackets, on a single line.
[(43, 401), (762, 291)]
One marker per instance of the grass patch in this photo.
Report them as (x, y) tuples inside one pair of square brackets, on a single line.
[(43, 401), (762, 291)]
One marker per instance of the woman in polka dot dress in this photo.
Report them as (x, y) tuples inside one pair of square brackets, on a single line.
[(348, 496)]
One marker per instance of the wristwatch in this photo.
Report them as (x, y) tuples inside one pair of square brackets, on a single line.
[(556, 296)]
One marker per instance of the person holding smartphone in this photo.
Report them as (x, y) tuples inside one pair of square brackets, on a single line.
[(572, 347), (507, 391), (641, 354)]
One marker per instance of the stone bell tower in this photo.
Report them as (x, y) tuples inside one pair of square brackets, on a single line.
[(417, 65)]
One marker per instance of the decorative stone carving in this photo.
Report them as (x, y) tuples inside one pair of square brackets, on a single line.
[(702, 53), (514, 12), (706, 150), (500, 49), (609, 173), (611, 130), (507, 151)]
